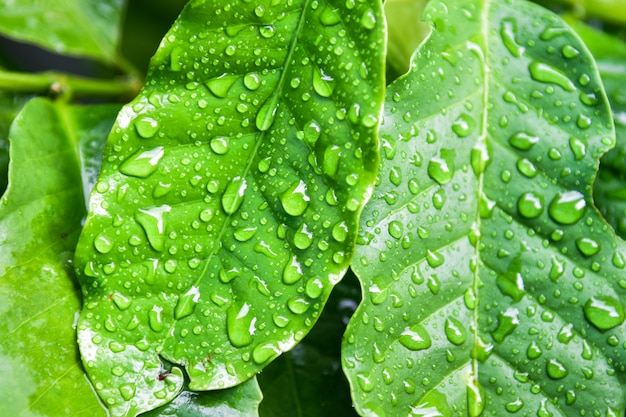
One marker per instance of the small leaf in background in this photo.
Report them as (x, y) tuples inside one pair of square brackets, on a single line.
[(491, 284), (10, 105), (229, 197), (40, 218), (86, 28), (308, 380)]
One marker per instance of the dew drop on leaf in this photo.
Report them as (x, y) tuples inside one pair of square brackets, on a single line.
[(567, 207), (604, 312), (146, 127), (142, 164), (530, 205), (556, 370), (295, 199), (415, 338), (546, 73), (233, 195), (523, 141), (239, 325)]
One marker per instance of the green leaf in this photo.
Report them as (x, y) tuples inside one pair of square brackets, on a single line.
[(610, 186), (240, 401), (10, 105), (491, 284), (308, 380), (228, 202), (40, 217), (88, 28)]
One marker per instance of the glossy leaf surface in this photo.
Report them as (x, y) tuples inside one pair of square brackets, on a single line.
[(10, 105), (491, 285), (40, 218), (88, 28), (228, 202)]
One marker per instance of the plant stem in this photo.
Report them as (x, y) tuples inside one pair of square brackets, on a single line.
[(68, 86)]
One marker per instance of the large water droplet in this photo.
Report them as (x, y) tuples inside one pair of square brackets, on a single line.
[(152, 221), (441, 169), (264, 353), (530, 205), (103, 243), (146, 127), (523, 141), (545, 73), (142, 164), (556, 370), (303, 238), (240, 325), (154, 318), (323, 84), (455, 331), (292, 272), (508, 30), (507, 323), (267, 113), (220, 145), (587, 246), (295, 199), (187, 303), (368, 20), (330, 16), (567, 207), (464, 125), (221, 85), (512, 285), (604, 312), (415, 338), (233, 195), (534, 350), (475, 398), (332, 155)]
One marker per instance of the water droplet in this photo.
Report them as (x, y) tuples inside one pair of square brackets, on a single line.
[(240, 325), (604, 312), (298, 305), (142, 164), (441, 169), (314, 287), (330, 16), (368, 20), (152, 221), (312, 132), (252, 81), (587, 246), (530, 205), (567, 207), (323, 84), (292, 272), (396, 229), (545, 73), (514, 406), (267, 113), (264, 353), (332, 155), (512, 285), (146, 127), (233, 195), (557, 269), (507, 323), (566, 334), (221, 85), (154, 319), (415, 338), (103, 243), (295, 199), (127, 391), (583, 121), (303, 238), (395, 175), (534, 350), (523, 141), (578, 147), (187, 303), (480, 158), (365, 382), (244, 234), (527, 168), (220, 145), (556, 370), (464, 125), (569, 52), (455, 331), (508, 29)]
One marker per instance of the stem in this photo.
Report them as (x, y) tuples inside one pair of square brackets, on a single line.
[(68, 86)]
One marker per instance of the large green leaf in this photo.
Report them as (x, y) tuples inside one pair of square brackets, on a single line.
[(88, 28), (10, 105), (308, 380), (491, 284), (229, 197), (40, 217)]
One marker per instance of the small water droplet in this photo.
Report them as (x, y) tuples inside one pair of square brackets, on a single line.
[(127, 391), (587, 246), (464, 125), (267, 113), (395, 229), (556, 370), (233, 195), (604, 312), (567, 207), (365, 381), (514, 406), (570, 52), (415, 338), (534, 350), (142, 164), (295, 199)]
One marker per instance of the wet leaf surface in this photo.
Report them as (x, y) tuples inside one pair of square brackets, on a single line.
[(229, 197), (491, 284)]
